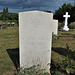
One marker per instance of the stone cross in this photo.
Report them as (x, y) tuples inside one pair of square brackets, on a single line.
[(66, 18), (66, 21)]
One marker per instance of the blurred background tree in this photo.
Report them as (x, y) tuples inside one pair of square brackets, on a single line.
[(6, 15)]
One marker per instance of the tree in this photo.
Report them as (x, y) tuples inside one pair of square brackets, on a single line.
[(7, 10), (3, 10), (73, 14), (4, 13)]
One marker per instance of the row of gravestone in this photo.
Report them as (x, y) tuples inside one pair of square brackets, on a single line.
[(5, 24)]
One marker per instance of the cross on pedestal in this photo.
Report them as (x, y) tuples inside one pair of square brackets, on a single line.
[(66, 21)]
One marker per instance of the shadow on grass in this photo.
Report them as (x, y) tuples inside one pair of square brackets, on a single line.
[(14, 55), (64, 52)]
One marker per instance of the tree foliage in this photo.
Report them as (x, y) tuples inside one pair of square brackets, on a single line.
[(5, 15), (7, 10), (62, 10)]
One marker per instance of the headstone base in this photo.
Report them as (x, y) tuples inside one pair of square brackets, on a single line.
[(64, 29)]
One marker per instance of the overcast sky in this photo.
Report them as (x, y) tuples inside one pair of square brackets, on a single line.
[(17, 6)]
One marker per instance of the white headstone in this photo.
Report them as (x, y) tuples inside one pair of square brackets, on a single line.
[(66, 21), (35, 38), (13, 23), (8, 23)]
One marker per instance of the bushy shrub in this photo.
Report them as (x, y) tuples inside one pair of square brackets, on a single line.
[(66, 62), (66, 66), (71, 26)]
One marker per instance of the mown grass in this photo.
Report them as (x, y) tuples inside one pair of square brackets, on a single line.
[(61, 43), (71, 32), (9, 40)]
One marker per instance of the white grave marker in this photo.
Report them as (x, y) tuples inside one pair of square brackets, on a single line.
[(35, 38), (66, 21)]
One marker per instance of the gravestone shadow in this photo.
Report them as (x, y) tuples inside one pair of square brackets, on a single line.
[(65, 52), (14, 55)]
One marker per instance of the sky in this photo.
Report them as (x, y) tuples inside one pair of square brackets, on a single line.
[(16, 6)]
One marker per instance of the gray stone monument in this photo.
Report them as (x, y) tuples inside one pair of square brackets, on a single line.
[(35, 38)]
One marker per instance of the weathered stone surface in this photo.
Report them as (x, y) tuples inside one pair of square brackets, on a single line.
[(35, 38)]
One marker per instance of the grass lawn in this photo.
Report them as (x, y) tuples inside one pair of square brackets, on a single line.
[(9, 42)]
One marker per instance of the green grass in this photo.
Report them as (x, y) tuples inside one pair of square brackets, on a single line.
[(67, 33), (9, 40), (61, 43)]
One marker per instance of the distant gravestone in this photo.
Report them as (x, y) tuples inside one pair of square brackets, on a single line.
[(35, 38), (9, 23), (65, 28), (12, 23)]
